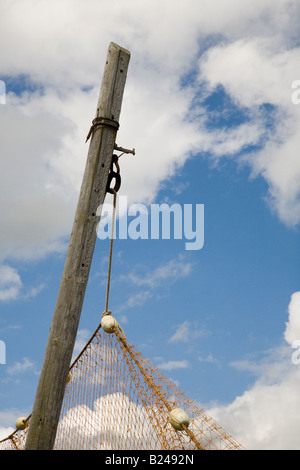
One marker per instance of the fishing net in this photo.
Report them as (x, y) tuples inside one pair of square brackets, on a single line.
[(115, 399)]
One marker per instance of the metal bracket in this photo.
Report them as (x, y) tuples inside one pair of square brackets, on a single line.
[(121, 149)]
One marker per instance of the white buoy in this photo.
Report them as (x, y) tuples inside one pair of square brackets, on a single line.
[(179, 419), (109, 323), (21, 423)]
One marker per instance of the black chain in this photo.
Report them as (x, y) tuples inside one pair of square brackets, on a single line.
[(114, 175)]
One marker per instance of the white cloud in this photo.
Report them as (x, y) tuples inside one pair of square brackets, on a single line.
[(4, 432), (150, 283), (10, 283), (63, 51), (251, 50), (171, 365), (114, 420), (34, 291), (12, 288), (81, 339), (260, 74), (170, 271), (185, 332), (140, 298), (7, 417), (20, 367), (292, 331), (37, 208), (209, 359), (267, 415)]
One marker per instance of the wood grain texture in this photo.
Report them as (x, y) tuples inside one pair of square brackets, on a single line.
[(63, 331)]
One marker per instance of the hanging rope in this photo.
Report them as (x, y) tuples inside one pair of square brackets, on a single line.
[(107, 312), (112, 175)]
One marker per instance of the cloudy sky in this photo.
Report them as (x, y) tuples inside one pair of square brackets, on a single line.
[(212, 108)]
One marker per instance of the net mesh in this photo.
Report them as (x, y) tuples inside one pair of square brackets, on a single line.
[(115, 399)]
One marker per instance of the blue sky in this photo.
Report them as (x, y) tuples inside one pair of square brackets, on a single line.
[(208, 108)]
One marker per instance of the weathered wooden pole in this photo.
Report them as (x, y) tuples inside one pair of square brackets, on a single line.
[(63, 331)]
